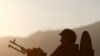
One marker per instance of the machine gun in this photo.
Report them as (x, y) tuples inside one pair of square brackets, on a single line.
[(22, 49), (29, 52)]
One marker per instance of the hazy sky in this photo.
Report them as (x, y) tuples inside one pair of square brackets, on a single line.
[(22, 17)]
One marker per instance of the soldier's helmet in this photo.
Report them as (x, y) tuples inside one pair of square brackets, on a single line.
[(68, 34)]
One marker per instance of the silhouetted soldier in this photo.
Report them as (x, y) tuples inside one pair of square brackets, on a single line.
[(68, 46), (86, 45)]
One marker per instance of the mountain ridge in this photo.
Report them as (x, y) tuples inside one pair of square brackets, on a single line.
[(49, 40)]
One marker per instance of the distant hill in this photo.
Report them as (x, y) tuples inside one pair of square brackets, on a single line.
[(49, 40)]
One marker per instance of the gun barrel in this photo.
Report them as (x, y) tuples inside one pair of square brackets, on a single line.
[(16, 44), (16, 49), (22, 48)]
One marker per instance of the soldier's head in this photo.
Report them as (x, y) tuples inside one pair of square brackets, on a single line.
[(68, 36)]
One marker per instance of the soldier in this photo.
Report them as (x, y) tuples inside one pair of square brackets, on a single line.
[(68, 46)]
